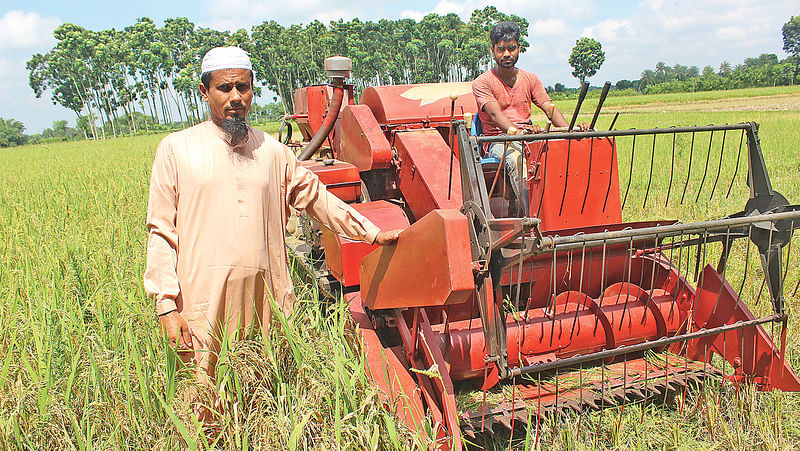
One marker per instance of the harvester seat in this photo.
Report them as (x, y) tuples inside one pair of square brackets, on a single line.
[(489, 165)]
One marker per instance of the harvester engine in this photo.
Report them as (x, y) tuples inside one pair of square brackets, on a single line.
[(587, 301)]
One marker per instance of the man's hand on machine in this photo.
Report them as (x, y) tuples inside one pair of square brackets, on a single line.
[(534, 129), (582, 127), (387, 237)]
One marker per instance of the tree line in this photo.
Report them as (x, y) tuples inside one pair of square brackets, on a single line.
[(145, 77), (763, 70)]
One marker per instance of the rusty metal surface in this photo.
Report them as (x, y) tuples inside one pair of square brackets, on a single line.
[(311, 107), (340, 178), (387, 369), (751, 351), (574, 183), (519, 303)]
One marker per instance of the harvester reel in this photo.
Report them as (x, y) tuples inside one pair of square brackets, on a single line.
[(478, 230), (770, 237)]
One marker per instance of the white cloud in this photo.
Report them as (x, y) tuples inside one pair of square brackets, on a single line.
[(412, 14), (548, 27), (446, 7), (253, 12), (731, 33), (22, 34), (20, 30), (688, 32), (610, 30), (4, 70)]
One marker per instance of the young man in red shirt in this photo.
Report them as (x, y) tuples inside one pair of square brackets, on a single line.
[(504, 95)]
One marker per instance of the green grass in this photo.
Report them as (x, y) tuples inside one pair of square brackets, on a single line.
[(82, 364)]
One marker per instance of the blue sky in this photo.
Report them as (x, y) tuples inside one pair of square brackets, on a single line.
[(636, 34)]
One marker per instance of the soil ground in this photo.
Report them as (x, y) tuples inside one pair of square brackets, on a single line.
[(783, 102)]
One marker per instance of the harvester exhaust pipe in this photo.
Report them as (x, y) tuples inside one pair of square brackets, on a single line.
[(338, 68), (581, 96), (600, 102)]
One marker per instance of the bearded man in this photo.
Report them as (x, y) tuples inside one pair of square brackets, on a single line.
[(504, 95), (219, 200)]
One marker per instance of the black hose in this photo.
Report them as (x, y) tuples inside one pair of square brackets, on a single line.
[(288, 126)]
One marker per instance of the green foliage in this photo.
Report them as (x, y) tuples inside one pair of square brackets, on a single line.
[(118, 77), (60, 131), (791, 43), (746, 76), (11, 133), (586, 58), (269, 112), (791, 36), (144, 78), (623, 84), (764, 70)]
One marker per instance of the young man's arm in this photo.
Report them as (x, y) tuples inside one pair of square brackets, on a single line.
[(492, 108)]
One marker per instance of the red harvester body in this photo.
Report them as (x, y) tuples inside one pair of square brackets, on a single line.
[(475, 291)]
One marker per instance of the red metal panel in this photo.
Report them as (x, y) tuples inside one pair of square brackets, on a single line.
[(574, 183), (396, 387), (311, 106), (751, 351), (431, 264), (343, 256), (340, 178), (425, 163), (403, 104), (362, 141)]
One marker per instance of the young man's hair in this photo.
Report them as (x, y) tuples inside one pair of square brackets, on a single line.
[(504, 31)]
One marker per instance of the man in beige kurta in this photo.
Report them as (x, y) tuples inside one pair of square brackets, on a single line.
[(216, 217)]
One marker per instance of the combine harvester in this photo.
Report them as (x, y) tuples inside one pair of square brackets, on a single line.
[(565, 310)]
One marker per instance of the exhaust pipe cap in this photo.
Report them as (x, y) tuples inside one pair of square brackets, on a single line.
[(338, 67)]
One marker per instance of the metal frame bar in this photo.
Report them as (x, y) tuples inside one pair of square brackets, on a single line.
[(613, 133), (649, 233)]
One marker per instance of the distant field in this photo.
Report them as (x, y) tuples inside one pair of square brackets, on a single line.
[(82, 364), (682, 97)]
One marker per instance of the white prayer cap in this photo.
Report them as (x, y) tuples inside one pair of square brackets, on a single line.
[(225, 58)]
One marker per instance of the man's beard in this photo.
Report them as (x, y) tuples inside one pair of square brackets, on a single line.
[(510, 62), (235, 127)]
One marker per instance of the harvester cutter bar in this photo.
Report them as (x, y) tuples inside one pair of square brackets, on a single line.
[(655, 378)]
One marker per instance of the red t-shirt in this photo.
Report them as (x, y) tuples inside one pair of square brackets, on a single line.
[(515, 102)]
